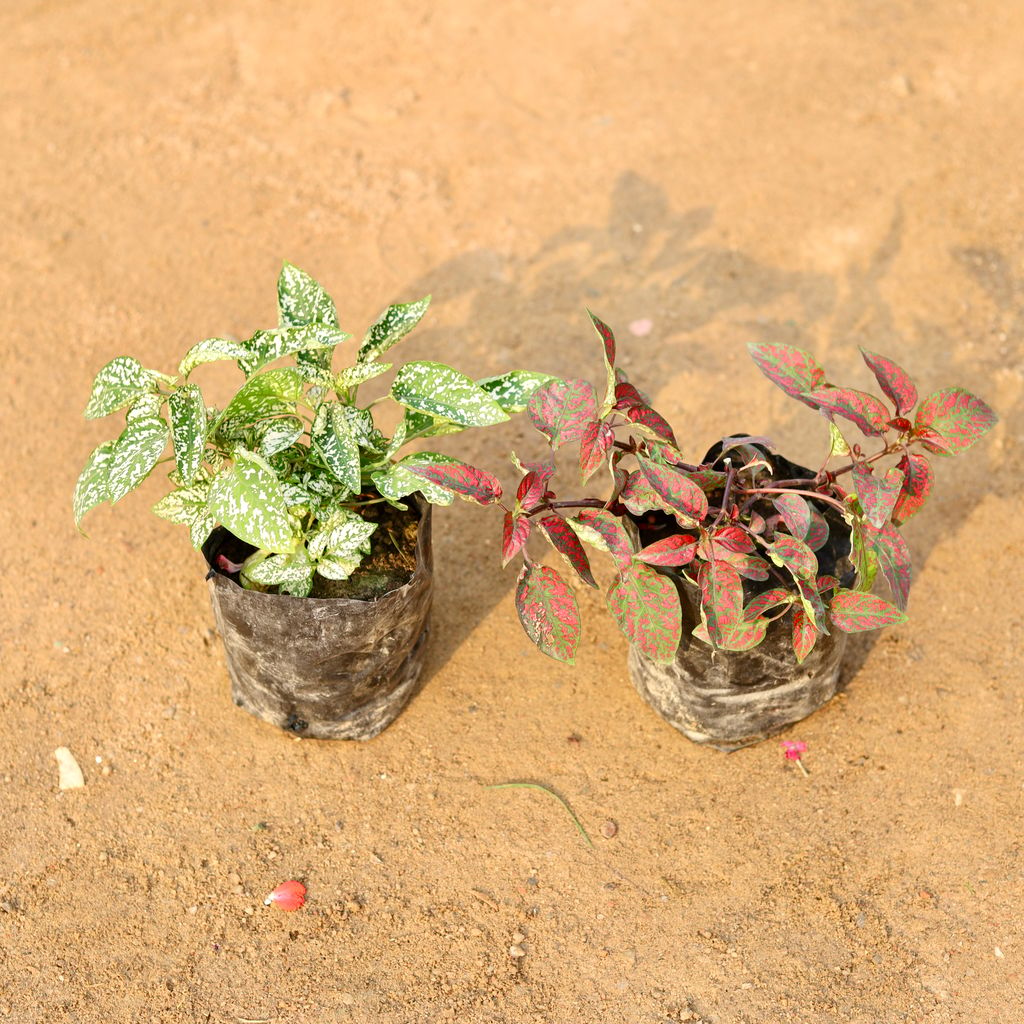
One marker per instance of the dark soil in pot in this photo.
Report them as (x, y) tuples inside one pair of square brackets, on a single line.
[(344, 662), (728, 699)]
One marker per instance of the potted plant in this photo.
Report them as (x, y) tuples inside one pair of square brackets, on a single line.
[(315, 530), (737, 578)]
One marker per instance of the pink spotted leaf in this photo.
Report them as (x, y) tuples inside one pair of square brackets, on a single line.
[(515, 532), (466, 481), (804, 634), (677, 550), (775, 598), (957, 416), (818, 532), (561, 409), (863, 410), (894, 381), (877, 494), (604, 531), (608, 342), (685, 499), (596, 439), (853, 612), (548, 611), (795, 512), (564, 540), (646, 607), (790, 368), (794, 555), (917, 485), (894, 563)]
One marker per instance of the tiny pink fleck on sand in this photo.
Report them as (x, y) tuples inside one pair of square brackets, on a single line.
[(641, 328)]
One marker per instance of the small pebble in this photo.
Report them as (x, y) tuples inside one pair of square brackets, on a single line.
[(347, 999), (69, 775), (609, 829), (516, 952), (518, 937)]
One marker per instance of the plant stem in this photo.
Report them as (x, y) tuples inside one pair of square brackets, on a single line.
[(550, 792), (792, 490), (579, 503), (729, 478)]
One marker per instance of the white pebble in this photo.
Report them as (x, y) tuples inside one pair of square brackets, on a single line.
[(69, 774)]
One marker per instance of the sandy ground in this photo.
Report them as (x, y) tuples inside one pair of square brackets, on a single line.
[(832, 174)]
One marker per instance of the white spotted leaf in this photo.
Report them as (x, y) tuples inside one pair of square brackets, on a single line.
[(391, 326), (445, 393), (135, 453), (247, 499), (91, 489), (188, 430)]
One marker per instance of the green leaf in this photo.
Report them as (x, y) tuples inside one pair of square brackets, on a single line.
[(960, 417), (248, 500), (117, 383), (397, 481), (853, 612), (548, 611), (342, 534), (149, 406), (91, 489), (271, 393), (187, 506), (421, 424), (333, 438), (513, 390), (188, 430), (209, 351), (292, 573), (135, 453), (280, 434), (646, 607), (445, 393), (392, 326), (353, 376), (301, 300)]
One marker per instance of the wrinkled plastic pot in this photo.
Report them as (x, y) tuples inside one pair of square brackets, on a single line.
[(730, 700), (329, 668)]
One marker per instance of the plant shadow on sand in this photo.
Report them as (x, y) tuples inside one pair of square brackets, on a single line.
[(706, 300)]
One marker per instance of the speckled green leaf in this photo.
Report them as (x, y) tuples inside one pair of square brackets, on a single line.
[(188, 430), (513, 390), (271, 393), (392, 326), (332, 436), (117, 383), (146, 407), (341, 534), (646, 607), (280, 434), (353, 376), (421, 424), (135, 453), (248, 500), (91, 489), (291, 573), (266, 346), (548, 611), (210, 350), (302, 300), (187, 506), (445, 393)]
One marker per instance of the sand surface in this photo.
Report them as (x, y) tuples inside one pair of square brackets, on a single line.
[(831, 174)]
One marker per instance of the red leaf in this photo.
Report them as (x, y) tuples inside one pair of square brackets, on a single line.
[(957, 416), (893, 380), (750, 566), (860, 408), (595, 441), (646, 606), (731, 538), (567, 544), (561, 409), (917, 485), (853, 612), (548, 611), (531, 490), (708, 480), (645, 416), (795, 512), (894, 563), (792, 369), (877, 495), (677, 550), (721, 600), (795, 555), (804, 635), (769, 599), (685, 499), (514, 535), (602, 530), (466, 481), (627, 396)]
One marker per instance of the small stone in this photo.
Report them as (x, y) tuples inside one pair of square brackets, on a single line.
[(518, 937), (609, 829), (351, 907), (516, 952), (347, 999), (106, 770), (69, 775)]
